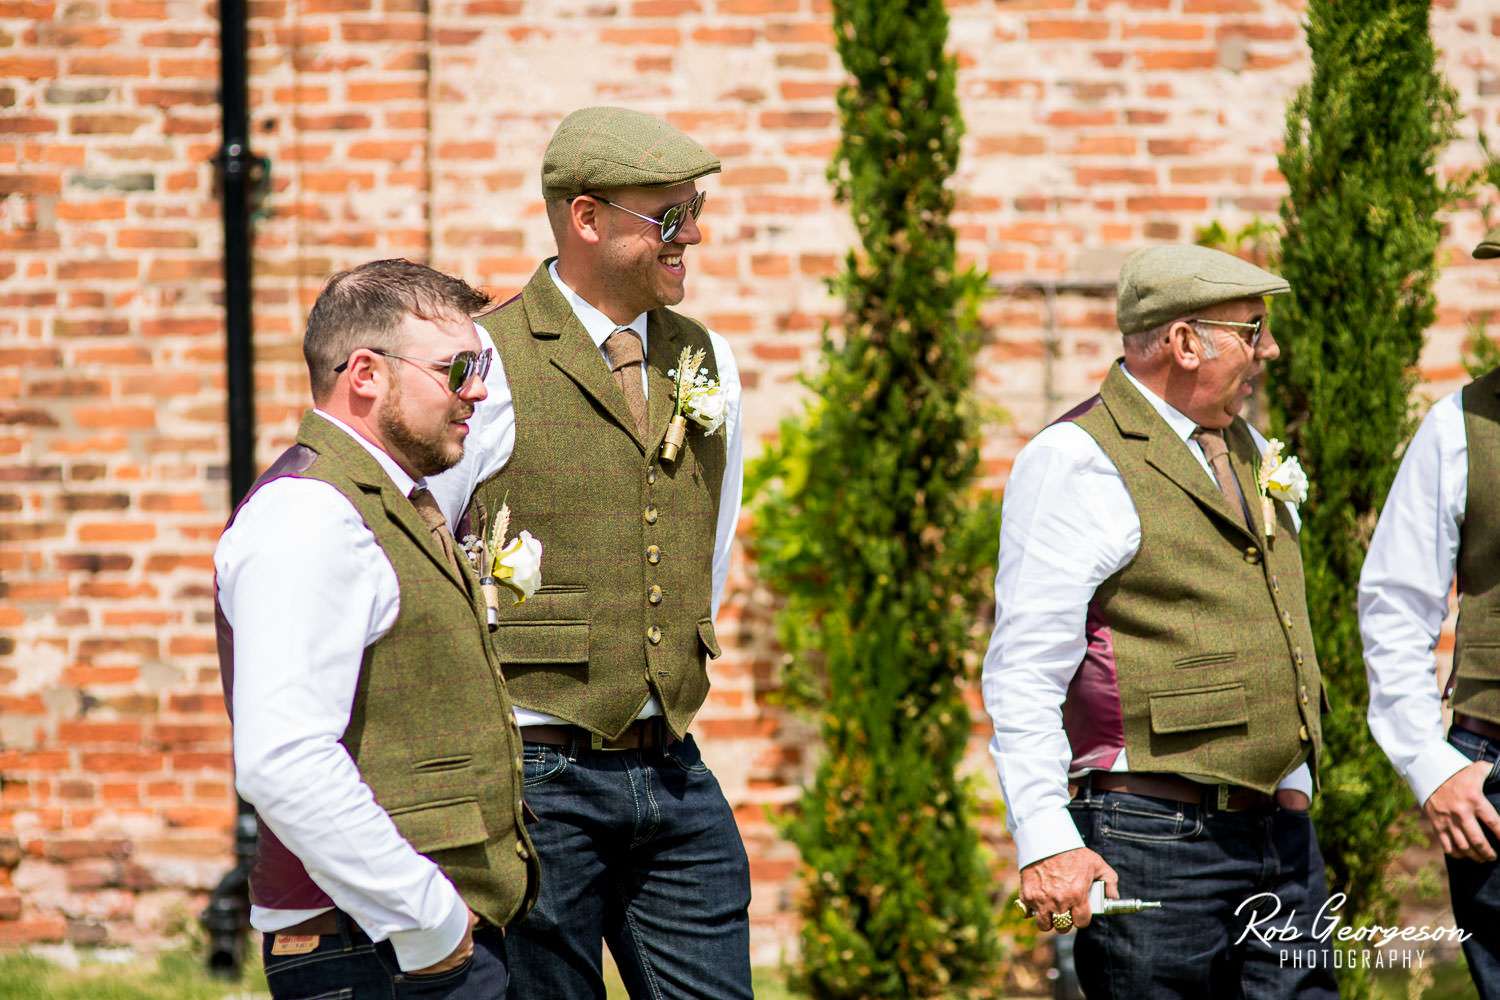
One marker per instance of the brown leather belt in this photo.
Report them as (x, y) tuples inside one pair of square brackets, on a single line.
[(326, 922), (642, 734), (1175, 788), (1478, 727)]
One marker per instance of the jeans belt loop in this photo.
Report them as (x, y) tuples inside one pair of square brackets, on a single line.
[(596, 742), (1223, 797)]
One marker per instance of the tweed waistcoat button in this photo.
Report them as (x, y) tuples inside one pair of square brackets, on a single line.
[(1302, 732), (651, 514), (653, 554), (654, 594), (522, 851), (650, 477), (1297, 657), (1252, 555), (1286, 619), (653, 635), (1275, 587), (1302, 693)]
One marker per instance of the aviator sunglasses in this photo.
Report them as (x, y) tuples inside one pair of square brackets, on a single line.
[(671, 220), (462, 368)]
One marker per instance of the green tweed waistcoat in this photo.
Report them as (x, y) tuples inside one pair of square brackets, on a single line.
[(1476, 647), (432, 730), (1213, 650), (625, 608)]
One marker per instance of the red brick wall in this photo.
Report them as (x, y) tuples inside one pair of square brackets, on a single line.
[(1093, 126)]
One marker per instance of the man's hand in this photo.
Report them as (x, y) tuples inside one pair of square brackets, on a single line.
[(1060, 884), (455, 958), (1459, 813)]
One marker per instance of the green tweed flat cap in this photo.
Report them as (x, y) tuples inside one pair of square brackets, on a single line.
[(1489, 246), (597, 148), (1163, 283)]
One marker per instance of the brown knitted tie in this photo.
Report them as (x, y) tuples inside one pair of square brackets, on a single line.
[(1217, 453), (626, 356), (432, 515)]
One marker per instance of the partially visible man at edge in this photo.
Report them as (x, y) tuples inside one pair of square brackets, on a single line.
[(607, 661), (1441, 520), (1151, 675), (372, 730)]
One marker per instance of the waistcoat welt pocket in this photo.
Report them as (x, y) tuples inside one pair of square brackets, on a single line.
[(1204, 659), (1199, 708), (435, 826)]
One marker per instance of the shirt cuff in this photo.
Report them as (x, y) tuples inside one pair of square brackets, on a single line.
[(419, 949), (1300, 780), (1438, 761), (1048, 833)]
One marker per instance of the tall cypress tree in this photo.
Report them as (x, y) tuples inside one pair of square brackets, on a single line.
[(869, 524), (1362, 229)]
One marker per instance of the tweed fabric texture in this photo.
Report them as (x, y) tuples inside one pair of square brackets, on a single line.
[(626, 604), (1213, 649), (1162, 283), (596, 149), (432, 730), (1476, 646), (1489, 247)]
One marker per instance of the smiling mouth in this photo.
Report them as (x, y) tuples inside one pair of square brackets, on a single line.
[(671, 260)]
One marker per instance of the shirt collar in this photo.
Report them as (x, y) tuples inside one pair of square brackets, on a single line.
[(598, 325), (1181, 424), (398, 475)]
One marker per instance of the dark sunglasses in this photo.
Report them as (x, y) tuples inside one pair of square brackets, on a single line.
[(462, 368), (671, 220)]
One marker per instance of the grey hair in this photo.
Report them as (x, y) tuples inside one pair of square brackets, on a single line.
[(1144, 345)]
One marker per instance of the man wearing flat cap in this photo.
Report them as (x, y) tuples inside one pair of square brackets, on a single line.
[(606, 662), (1151, 674), (1441, 521)]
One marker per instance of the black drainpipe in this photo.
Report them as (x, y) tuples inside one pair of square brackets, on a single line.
[(227, 917)]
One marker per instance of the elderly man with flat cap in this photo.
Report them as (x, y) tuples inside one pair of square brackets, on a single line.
[(607, 662), (1151, 674), (1441, 520)]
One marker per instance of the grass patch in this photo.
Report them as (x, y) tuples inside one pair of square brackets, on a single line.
[(173, 975)]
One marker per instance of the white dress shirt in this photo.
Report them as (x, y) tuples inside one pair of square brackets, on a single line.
[(492, 439), (1067, 524), (1403, 598), (307, 589)]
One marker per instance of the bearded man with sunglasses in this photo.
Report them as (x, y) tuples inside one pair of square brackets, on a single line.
[(372, 730), (607, 660), (1151, 676)]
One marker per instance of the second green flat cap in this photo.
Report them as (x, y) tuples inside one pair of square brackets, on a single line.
[(1163, 283), (599, 148)]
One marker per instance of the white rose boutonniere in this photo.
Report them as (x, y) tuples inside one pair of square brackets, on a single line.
[(1279, 479), (515, 565), (700, 398)]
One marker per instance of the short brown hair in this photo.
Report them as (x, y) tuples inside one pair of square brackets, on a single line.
[(365, 307)]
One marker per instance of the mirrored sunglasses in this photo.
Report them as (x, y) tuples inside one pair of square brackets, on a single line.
[(672, 219), (462, 368)]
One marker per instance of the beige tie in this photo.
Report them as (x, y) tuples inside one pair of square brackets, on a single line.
[(432, 515), (1217, 453), (626, 356)]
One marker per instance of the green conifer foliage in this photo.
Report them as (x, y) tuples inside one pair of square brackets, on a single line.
[(867, 521), (1362, 229)]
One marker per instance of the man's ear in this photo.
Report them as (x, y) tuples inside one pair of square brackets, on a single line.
[(583, 219), (1186, 347), (368, 379)]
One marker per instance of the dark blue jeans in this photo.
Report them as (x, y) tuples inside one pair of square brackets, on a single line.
[(1216, 935), (1474, 885), (349, 966), (638, 848)]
